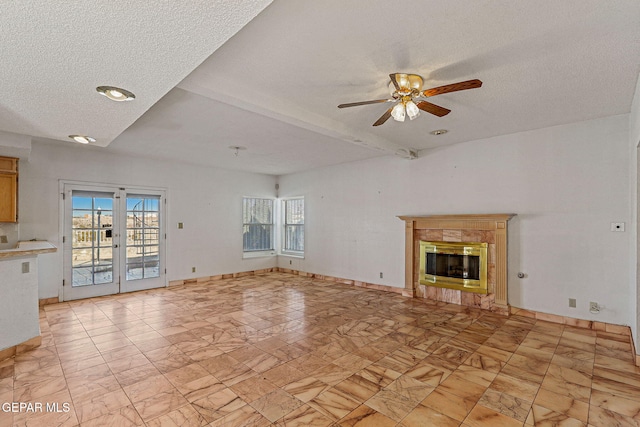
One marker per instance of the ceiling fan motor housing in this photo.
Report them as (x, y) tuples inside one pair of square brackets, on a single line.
[(409, 84)]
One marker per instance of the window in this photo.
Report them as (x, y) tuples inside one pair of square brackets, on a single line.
[(257, 227), (143, 236), (293, 224)]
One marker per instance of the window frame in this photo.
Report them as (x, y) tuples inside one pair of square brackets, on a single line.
[(283, 227), (273, 225)]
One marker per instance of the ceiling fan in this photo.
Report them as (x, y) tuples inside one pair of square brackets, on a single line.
[(406, 91)]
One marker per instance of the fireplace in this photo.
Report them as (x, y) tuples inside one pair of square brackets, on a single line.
[(441, 276), (461, 266)]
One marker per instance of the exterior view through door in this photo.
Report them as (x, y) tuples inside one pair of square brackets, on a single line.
[(114, 240)]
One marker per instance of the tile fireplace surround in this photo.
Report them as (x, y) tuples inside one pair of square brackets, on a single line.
[(489, 228)]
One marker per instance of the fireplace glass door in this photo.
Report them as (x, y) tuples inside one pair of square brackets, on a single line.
[(453, 265), (461, 266)]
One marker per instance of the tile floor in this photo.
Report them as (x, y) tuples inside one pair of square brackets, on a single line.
[(283, 350)]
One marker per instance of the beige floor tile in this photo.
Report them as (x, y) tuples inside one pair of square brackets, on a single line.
[(148, 387), (449, 404), (134, 375), (462, 388), (541, 416), (210, 353), (331, 374), (409, 387), (333, 403), (392, 404), (276, 405), (364, 416), (101, 405), (424, 416), (308, 388), (184, 416), (603, 417), (516, 387), (124, 417), (565, 388), (159, 404), (563, 404), (482, 361), (506, 404), (428, 374), (618, 404), (304, 416), (219, 404), (481, 416), (479, 376)]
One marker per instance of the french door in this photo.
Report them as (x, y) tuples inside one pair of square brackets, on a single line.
[(114, 240)]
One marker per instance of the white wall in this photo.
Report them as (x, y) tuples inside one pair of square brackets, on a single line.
[(634, 142), (19, 302), (566, 183), (208, 201)]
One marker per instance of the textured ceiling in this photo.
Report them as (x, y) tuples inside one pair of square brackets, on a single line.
[(55, 53), (273, 87)]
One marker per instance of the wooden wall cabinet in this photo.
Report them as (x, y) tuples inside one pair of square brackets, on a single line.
[(8, 189)]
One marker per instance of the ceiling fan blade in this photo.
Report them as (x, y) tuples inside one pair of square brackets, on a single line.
[(433, 108), (384, 117), (355, 104), (394, 81), (454, 87)]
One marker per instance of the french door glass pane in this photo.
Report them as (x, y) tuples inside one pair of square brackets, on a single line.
[(143, 237), (91, 239)]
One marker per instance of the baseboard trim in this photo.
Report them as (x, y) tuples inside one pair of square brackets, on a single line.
[(343, 281), (47, 301), (29, 344), (205, 279)]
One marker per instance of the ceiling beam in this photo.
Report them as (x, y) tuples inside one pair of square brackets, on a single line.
[(299, 117)]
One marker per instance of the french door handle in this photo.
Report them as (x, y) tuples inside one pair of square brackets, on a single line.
[(115, 246)]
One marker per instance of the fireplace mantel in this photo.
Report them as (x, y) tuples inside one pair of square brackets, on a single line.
[(489, 228)]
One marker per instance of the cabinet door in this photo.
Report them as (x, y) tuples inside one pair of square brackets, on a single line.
[(8, 164), (8, 197)]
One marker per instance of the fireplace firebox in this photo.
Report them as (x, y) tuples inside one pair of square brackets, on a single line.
[(453, 265)]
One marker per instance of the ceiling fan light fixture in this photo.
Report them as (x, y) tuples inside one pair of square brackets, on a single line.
[(412, 110), (398, 112)]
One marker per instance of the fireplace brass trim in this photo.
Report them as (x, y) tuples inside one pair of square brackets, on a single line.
[(454, 248)]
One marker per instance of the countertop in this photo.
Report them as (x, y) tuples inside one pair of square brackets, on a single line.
[(26, 248)]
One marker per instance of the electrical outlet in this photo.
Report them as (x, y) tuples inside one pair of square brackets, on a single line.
[(572, 302), (617, 226), (594, 307), (180, 225), (290, 262), (381, 274), (25, 267), (193, 269), (3, 239)]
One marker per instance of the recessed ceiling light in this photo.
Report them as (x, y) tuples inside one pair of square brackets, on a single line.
[(439, 132), (115, 93), (82, 139)]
